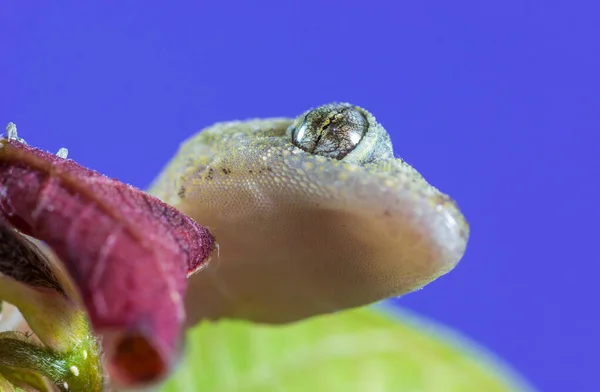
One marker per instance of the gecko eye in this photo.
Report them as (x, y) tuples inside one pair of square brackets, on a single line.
[(332, 130)]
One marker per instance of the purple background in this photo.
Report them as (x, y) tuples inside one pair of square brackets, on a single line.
[(495, 104)]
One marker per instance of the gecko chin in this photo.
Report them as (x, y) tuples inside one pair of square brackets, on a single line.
[(323, 260)]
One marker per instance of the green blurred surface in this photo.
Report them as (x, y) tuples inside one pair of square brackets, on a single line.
[(363, 350)]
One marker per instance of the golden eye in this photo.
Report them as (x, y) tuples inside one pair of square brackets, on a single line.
[(331, 131)]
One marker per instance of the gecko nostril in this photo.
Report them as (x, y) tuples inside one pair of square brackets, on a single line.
[(331, 131)]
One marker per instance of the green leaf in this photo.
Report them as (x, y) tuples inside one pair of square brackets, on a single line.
[(26, 362), (22, 377), (358, 350)]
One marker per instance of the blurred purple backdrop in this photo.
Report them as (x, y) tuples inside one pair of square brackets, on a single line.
[(494, 102)]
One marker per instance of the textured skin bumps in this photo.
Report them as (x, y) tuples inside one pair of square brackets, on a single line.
[(302, 234)]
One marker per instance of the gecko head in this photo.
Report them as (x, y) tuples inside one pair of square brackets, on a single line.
[(312, 215)]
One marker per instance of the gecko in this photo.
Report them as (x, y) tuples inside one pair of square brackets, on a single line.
[(312, 215)]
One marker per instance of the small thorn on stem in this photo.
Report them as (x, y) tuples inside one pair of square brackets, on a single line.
[(62, 153), (11, 133)]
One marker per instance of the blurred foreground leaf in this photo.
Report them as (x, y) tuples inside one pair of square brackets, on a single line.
[(364, 350), (126, 254)]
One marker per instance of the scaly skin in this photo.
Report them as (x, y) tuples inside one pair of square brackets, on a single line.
[(300, 233)]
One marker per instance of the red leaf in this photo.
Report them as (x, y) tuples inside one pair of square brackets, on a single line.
[(128, 253)]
